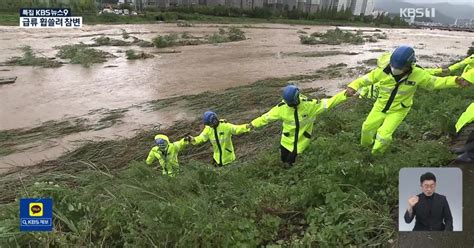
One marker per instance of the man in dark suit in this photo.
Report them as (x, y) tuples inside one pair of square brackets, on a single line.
[(431, 209)]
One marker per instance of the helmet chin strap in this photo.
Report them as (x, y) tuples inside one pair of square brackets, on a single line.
[(214, 122), (296, 100)]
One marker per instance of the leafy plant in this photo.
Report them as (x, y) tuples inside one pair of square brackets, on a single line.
[(165, 40), (30, 59), (81, 54)]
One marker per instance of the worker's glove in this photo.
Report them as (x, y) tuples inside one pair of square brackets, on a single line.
[(445, 72), (188, 138), (250, 127), (350, 92), (462, 82)]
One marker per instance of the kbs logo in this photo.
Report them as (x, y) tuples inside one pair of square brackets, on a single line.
[(36, 214), (417, 12)]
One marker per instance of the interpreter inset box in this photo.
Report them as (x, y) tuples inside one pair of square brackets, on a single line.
[(430, 199)]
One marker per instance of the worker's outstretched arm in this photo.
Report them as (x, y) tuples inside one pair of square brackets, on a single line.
[(270, 116), (180, 144), (431, 82), (151, 157), (460, 65), (329, 103), (239, 129), (435, 71), (203, 137), (366, 80)]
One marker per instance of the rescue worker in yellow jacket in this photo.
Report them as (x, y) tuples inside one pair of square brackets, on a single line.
[(398, 80), (372, 91), (298, 114), (466, 152), (167, 154), (219, 132)]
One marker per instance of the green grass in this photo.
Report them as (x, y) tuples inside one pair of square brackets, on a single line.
[(29, 58), (132, 55), (106, 41), (333, 37), (223, 35), (162, 41), (231, 34), (9, 19), (338, 36), (105, 195), (81, 54)]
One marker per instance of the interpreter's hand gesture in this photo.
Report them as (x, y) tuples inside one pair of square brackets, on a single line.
[(412, 201)]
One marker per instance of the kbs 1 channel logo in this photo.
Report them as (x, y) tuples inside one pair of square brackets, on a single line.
[(36, 214), (49, 18)]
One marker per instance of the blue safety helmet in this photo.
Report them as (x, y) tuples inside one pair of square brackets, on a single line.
[(161, 143), (291, 95), (209, 118), (402, 56)]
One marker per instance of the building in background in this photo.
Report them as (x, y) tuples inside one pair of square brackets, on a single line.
[(362, 7), (369, 7), (357, 7), (464, 23)]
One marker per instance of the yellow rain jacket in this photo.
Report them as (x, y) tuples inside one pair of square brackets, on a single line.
[(298, 122), (169, 159), (372, 91), (466, 118), (468, 75), (466, 64), (221, 140), (395, 96)]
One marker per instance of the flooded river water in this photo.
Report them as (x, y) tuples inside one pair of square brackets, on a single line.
[(45, 94)]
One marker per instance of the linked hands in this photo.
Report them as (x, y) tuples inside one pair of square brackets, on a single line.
[(350, 92)]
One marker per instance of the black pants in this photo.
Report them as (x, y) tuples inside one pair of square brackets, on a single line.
[(469, 146), (287, 156)]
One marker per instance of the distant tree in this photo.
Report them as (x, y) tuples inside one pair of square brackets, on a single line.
[(126, 6)]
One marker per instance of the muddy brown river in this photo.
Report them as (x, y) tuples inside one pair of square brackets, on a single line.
[(43, 94)]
